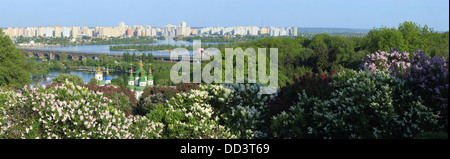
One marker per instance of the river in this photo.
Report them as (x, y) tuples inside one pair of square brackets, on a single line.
[(86, 76), (105, 48)]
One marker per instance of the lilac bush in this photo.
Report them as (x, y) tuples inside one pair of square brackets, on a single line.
[(70, 111), (395, 62), (428, 79)]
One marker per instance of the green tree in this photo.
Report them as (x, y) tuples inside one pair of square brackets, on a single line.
[(118, 82), (413, 35), (92, 81), (40, 69), (133, 58), (102, 58), (383, 39), (319, 46), (84, 62), (63, 56), (12, 60), (61, 78), (150, 57)]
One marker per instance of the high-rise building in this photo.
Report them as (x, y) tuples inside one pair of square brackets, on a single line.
[(75, 32), (194, 31), (294, 31), (86, 31), (57, 32), (48, 32), (40, 31), (169, 30), (66, 32), (263, 31)]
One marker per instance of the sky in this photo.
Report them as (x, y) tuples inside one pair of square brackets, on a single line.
[(358, 14)]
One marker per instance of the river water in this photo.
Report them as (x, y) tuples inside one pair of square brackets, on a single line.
[(86, 76), (103, 49)]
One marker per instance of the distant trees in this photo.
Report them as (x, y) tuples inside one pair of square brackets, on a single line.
[(40, 69), (12, 71), (61, 78), (408, 37), (144, 57), (133, 58), (324, 53), (150, 58), (63, 56), (102, 58), (92, 81)]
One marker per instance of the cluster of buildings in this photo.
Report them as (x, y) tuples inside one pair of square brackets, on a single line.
[(141, 80), (136, 83), (134, 31), (248, 30)]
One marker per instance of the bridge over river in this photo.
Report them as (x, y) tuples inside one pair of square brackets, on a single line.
[(45, 54)]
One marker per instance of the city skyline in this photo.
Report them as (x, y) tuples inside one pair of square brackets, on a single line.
[(215, 13), (123, 30)]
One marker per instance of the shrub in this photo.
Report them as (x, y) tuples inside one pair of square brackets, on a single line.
[(428, 79), (363, 105), (241, 108), (432, 135), (61, 78), (159, 94), (185, 87), (122, 98), (150, 102), (168, 92), (71, 112), (395, 62), (315, 85), (189, 115), (93, 81)]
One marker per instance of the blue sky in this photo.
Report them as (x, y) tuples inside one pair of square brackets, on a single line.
[(363, 14)]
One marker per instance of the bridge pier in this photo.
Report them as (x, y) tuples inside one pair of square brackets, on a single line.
[(42, 56), (30, 54), (52, 56)]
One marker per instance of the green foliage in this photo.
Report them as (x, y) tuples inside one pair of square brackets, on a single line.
[(61, 78), (103, 59), (150, 102), (189, 115), (121, 97), (408, 37), (92, 81), (314, 85), (12, 63), (37, 69), (118, 82), (245, 110), (63, 57), (432, 135), (363, 105)]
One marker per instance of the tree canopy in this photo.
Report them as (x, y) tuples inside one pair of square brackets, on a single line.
[(12, 71), (61, 78)]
